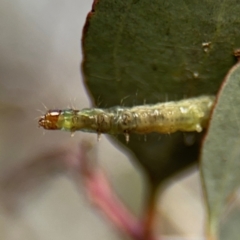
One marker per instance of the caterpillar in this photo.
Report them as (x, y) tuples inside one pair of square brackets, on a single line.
[(185, 115)]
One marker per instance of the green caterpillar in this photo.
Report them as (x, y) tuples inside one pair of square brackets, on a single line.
[(185, 115)]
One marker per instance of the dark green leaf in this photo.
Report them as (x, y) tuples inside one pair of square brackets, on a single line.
[(137, 50)]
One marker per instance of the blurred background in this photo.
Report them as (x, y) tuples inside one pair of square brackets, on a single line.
[(40, 57)]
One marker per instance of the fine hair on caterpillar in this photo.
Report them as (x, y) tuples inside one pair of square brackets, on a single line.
[(186, 115)]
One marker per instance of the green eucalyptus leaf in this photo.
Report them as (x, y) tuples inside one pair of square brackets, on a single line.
[(153, 50), (220, 156), (229, 229)]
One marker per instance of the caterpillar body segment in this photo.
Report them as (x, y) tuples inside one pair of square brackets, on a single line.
[(185, 115)]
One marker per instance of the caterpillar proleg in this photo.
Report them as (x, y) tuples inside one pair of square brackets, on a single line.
[(185, 115)]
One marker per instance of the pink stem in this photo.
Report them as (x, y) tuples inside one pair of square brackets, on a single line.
[(102, 195)]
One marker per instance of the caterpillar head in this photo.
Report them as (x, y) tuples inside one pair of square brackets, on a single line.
[(50, 120)]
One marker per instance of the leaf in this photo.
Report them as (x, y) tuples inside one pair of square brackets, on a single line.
[(137, 50), (220, 155), (230, 228)]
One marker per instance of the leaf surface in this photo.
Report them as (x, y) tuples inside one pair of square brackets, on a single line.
[(153, 51), (229, 229), (220, 163)]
